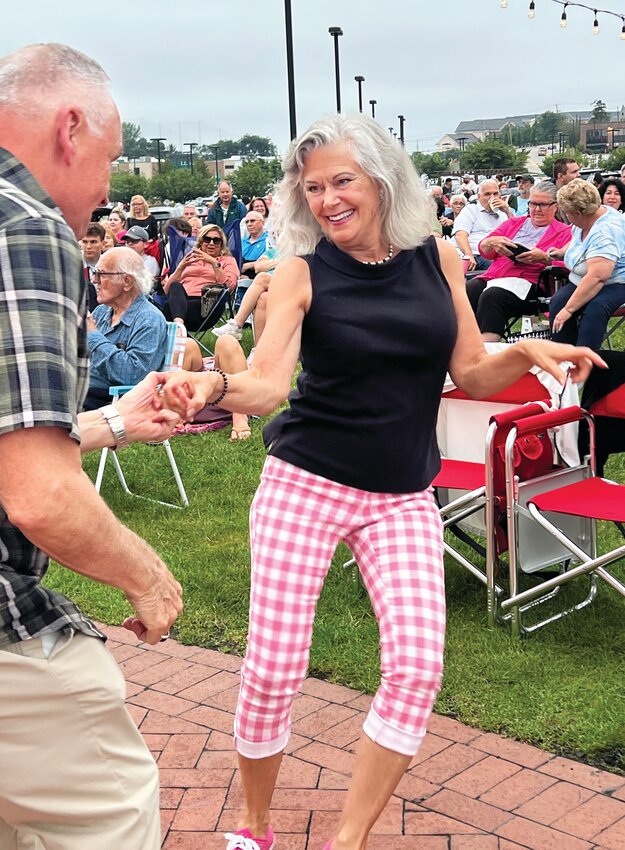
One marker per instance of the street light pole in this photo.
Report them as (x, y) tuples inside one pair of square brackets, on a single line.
[(373, 103), (290, 73), (158, 140), (401, 129), (191, 145), (335, 32), (360, 81)]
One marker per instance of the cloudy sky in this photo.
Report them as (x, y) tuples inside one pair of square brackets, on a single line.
[(197, 71)]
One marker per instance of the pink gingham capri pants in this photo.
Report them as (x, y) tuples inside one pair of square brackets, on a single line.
[(297, 520)]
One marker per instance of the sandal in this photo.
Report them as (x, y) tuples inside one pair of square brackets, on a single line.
[(240, 434)]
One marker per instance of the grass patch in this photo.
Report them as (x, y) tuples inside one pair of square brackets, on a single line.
[(562, 689)]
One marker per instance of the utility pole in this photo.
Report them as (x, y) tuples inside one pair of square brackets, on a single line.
[(191, 145)]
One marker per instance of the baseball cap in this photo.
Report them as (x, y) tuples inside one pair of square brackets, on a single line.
[(136, 234), (527, 177)]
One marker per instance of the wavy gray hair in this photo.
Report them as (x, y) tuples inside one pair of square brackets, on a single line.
[(405, 208), (40, 75), (127, 261)]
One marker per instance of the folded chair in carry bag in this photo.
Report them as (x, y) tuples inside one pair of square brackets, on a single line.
[(174, 355), (552, 520)]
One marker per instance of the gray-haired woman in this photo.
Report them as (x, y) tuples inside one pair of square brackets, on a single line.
[(379, 311), (126, 333)]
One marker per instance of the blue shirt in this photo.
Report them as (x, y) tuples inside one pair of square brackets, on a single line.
[(252, 251), (125, 353), (606, 239)]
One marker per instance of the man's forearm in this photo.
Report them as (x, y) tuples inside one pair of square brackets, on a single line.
[(462, 240)]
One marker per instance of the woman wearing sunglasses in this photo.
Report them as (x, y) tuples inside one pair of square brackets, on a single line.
[(209, 262)]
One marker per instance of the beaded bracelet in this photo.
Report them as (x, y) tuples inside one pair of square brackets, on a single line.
[(224, 390)]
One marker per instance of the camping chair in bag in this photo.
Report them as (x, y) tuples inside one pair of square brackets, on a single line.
[(552, 517), (174, 355)]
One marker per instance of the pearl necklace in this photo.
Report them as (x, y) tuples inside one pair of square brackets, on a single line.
[(386, 259)]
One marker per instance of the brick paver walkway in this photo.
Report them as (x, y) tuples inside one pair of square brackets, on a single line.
[(466, 790)]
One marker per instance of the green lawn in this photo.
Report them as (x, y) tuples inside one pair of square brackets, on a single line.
[(562, 689)]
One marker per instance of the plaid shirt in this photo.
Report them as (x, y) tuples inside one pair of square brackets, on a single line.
[(43, 376)]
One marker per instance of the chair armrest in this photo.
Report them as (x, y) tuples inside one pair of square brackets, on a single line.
[(551, 419)]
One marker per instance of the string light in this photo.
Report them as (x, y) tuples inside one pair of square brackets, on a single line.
[(531, 13), (595, 24)]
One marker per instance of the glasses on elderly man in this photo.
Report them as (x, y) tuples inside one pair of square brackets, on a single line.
[(96, 274), (216, 240), (536, 205)]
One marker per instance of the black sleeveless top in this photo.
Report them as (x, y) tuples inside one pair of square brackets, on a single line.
[(376, 344)]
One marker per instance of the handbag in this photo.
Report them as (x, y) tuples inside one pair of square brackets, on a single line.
[(210, 294)]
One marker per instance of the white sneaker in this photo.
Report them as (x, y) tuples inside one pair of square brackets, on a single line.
[(229, 329)]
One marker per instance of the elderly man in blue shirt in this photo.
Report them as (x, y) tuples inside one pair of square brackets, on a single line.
[(126, 333)]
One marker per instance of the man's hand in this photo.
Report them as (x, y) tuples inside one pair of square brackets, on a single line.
[(187, 392), (157, 608), (145, 418)]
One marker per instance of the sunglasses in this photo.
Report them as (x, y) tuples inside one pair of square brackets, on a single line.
[(216, 240)]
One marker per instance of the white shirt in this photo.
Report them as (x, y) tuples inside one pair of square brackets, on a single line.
[(151, 265), (477, 222)]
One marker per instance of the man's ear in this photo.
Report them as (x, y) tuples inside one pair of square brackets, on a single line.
[(70, 120)]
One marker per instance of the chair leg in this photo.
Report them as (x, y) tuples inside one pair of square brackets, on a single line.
[(101, 465), (174, 469)]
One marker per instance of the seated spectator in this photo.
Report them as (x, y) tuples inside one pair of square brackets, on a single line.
[(468, 186), (137, 238), (110, 240), (196, 225), (612, 193), (448, 188), (117, 221), (126, 333), (91, 244), (519, 202), (189, 211), (209, 262), (597, 179), (476, 221), (457, 204), (253, 244), (506, 290), (580, 310), (254, 301), (140, 217), (230, 357), (259, 205)]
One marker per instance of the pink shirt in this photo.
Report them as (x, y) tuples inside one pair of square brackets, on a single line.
[(198, 273)]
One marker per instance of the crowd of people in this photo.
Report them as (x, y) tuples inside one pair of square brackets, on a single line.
[(350, 459), (508, 240)]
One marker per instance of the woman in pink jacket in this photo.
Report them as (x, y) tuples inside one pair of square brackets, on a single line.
[(507, 289)]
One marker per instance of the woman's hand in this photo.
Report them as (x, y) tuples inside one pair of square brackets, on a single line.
[(186, 393), (499, 245), (145, 420), (535, 255), (561, 317), (550, 356)]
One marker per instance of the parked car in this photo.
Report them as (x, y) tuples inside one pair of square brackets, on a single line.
[(542, 151), (162, 213)]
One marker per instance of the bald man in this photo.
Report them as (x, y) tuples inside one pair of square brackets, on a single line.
[(76, 773)]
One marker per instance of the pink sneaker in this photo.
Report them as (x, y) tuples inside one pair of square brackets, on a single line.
[(243, 839)]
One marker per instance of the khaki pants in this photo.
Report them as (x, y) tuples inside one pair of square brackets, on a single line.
[(75, 773)]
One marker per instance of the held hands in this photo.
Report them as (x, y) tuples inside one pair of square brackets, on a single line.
[(145, 419), (188, 392), (550, 356)]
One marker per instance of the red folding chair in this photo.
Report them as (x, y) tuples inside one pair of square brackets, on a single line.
[(552, 520), (462, 483)]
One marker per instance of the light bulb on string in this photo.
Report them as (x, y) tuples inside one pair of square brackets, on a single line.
[(563, 21), (623, 31), (532, 9), (595, 24), (503, 4)]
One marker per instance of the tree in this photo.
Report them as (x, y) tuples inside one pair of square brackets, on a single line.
[(435, 163), (569, 153), (599, 112), (547, 127), (253, 146), (489, 156), (124, 185), (178, 184), (255, 177), (134, 144)]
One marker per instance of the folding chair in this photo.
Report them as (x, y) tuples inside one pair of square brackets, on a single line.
[(216, 312), (551, 520), (614, 323), (174, 355), (461, 485), (549, 280)]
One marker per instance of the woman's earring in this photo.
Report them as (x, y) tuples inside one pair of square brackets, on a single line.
[(381, 194)]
